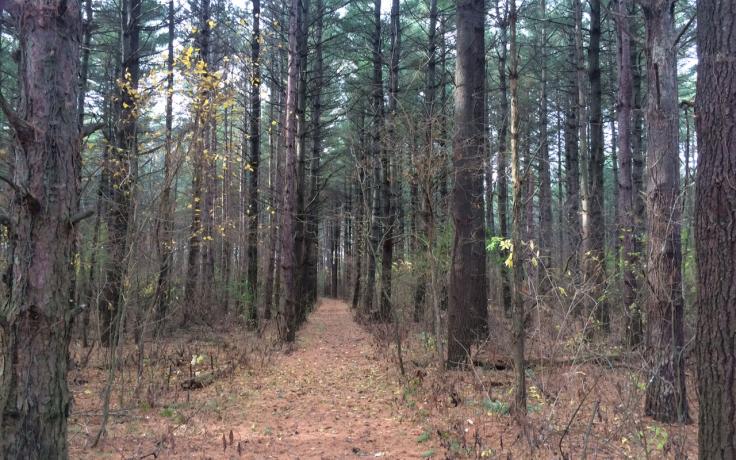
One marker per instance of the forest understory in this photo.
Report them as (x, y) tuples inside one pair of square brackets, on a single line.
[(338, 392)]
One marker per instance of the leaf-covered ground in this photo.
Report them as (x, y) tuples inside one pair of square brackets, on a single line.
[(332, 395)]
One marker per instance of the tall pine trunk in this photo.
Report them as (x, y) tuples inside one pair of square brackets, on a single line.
[(389, 218), (467, 314), (666, 399), (715, 228), (254, 162), (545, 183), (165, 223), (503, 193), (121, 172), (518, 253), (288, 258), (36, 321), (595, 267), (624, 114)]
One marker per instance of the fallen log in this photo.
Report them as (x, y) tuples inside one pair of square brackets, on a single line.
[(204, 379)]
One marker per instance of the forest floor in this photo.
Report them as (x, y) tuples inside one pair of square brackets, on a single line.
[(338, 393), (332, 395)]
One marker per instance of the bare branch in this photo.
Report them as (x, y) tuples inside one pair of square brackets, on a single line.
[(80, 216), (685, 28), (90, 129), (21, 127)]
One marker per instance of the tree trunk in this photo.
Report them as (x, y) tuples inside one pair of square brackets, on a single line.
[(255, 157), (594, 257), (275, 165), (715, 229), (666, 399), (624, 116), (197, 257), (165, 224), (121, 171), (36, 322), (87, 26), (301, 152), (545, 183), (360, 205), (502, 189), (389, 217), (313, 208), (572, 169), (376, 154), (423, 176), (582, 128), (467, 314), (288, 244), (518, 255)]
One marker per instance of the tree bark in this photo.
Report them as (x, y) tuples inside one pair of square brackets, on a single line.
[(255, 156), (288, 244), (624, 114), (467, 313), (165, 224), (545, 184), (121, 172), (313, 206), (715, 228), (377, 114), (666, 399), (196, 259), (389, 218), (502, 187), (572, 167), (595, 266), (36, 321), (518, 251)]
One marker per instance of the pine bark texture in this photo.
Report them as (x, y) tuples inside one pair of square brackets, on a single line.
[(626, 223), (467, 313), (715, 228), (121, 172), (288, 244), (665, 398), (254, 162), (36, 320)]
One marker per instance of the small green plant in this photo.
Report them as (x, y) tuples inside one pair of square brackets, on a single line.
[(496, 407), (655, 436), (428, 341), (502, 248), (424, 437), (427, 454), (167, 412)]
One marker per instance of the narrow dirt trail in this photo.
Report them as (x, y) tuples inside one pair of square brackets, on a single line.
[(330, 398)]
